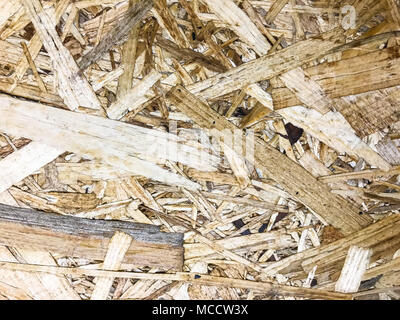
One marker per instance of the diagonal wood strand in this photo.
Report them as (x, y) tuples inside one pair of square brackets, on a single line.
[(295, 180), (132, 17)]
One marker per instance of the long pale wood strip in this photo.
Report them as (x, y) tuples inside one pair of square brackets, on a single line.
[(292, 177), (350, 76), (194, 278), (88, 238), (277, 63), (118, 246), (24, 162), (70, 173), (262, 68), (374, 174), (272, 240), (125, 146)]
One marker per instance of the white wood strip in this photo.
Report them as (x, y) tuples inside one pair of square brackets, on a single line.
[(118, 246), (24, 162), (356, 263)]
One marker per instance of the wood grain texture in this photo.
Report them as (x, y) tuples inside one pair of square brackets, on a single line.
[(240, 23), (309, 92), (262, 68), (166, 19), (189, 55), (132, 17), (275, 9), (24, 162), (382, 237), (274, 64), (339, 135), (357, 261), (75, 93), (350, 76), (35, 43), (88, 238), (38, 286), (115, 142), (291, 176), (117, 248), (268, 132), (194, 278), (370, 112), (394, 11)]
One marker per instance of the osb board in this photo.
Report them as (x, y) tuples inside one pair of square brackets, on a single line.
[(93, 126)]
